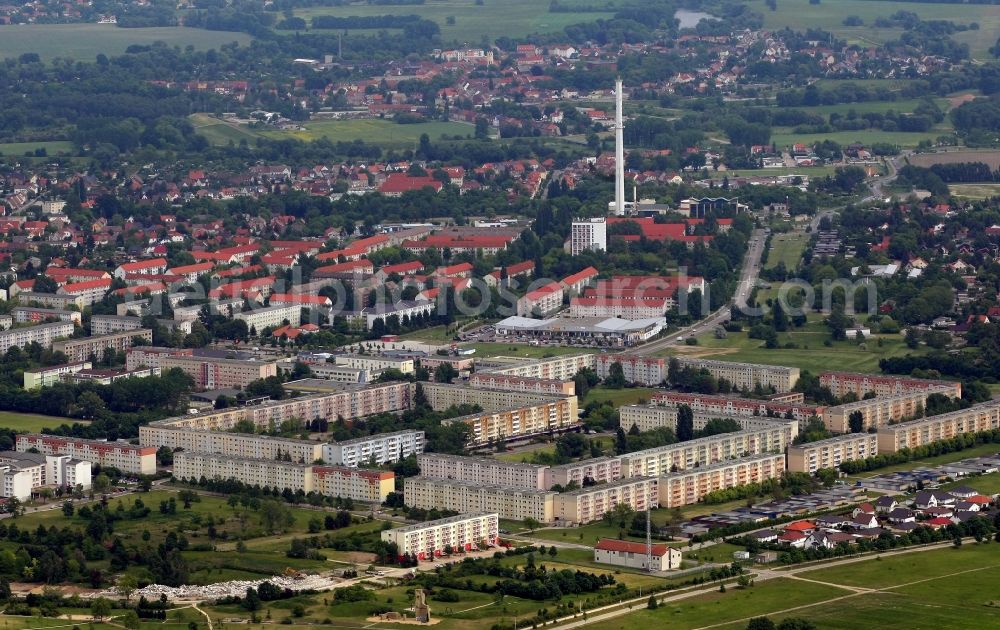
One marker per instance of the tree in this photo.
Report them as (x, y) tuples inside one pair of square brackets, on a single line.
[(623, 513), (275, 516), (130, 620), (127, 585), (445, 373), (760, 623), (100, 608), (685, 423), (616, 376), (101, 483), (68, 509), (621, 442), (796, 623), (652, 605), (856, 421), (531, 524)]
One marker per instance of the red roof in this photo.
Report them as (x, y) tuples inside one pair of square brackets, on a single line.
[(579, 276), (399, 183), (144, 264), (800, 526), (346, 267), (454, 269), (403, 268), (100, 283), (939, 521), (300, 298), (551, 287), (625, 546), (528, 265)]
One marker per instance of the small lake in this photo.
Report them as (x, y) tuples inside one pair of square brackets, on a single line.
[(690, 19)]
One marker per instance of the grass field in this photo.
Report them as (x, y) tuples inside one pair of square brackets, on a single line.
[(977, 451), (33, 423), (83, 42), (472, 23), (974, 191), (900, 138), (810, 354), (384, 132), (52, 148), (807, 171), (800, 15), (617, 397), (881, 107), (787, 248), (219, 132)]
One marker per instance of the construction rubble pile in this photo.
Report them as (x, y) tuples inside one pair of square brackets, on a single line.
[(236, 588)]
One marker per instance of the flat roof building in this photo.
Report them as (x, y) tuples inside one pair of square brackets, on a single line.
[(429, 539)]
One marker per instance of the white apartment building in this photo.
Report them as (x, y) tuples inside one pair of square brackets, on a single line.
[(586, 505), (561, 368), (598, 469), (877, 412), (219, 373), (686, 487), (382, 448), (400, 310), (620, 307), (652, 371), (44, 335), (107, 324), (831, 452), (484, 471), (35, 314), (661, 460), (270, 473), (247, 445), (541, 301), (588, 235), (49, 300), (981, 417), (349, 403), (649, 417), (140, 460), (83, 348), (468, 497), (428, 540), (49, 376), (488, 427), (843, 383), (271, 317), (441, 396), (25, 473), (492, 380), (374, 363)]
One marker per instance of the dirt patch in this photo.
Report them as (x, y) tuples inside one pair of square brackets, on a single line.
[(356, 557), (959, 99)]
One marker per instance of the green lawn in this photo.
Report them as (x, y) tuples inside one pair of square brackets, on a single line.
[(976, 451), (617, 397), (810, 354), (52, 148), (473, 24), (902, 138), (804, 171), (985, 484), (83, 42), (902, 105), (719, 608), (375, 131), (787, 248), (219, 132), (33, 423)]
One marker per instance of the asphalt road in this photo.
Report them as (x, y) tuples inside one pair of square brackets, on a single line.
[(748, 278)]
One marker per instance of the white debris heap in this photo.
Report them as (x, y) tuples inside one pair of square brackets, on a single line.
[(234, 588)]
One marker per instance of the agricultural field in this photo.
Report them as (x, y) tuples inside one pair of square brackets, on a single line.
[(829, 16), (810, 354), (83, 42), (787, 248), (33, 423), (472, 23), (992, 158)]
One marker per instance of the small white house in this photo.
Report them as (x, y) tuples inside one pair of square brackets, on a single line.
[(633, 555)]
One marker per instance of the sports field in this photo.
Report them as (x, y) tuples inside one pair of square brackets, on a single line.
[(868, 137), (83, 42), (33, 423), (473, 23)]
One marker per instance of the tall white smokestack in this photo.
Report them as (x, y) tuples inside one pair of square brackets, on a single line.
[(619, 152)]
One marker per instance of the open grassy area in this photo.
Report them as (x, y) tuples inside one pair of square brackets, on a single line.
[(219, 132), (617, 397), (473, 23), (974, 191), (718, 608), (976, 451), (52, 148), (83, 42), (810, 354), (985, 484), (373, 131), (787, 248), (901, 138), (33, 423)]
